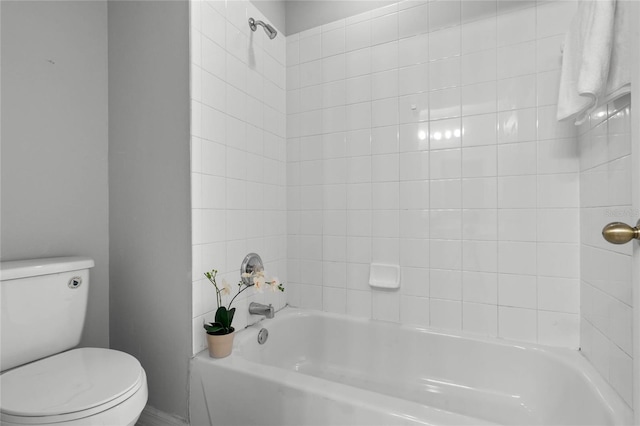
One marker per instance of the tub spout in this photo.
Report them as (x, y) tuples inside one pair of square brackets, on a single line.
[(260, 309)]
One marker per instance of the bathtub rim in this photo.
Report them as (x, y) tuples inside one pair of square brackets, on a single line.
[(621, 413)]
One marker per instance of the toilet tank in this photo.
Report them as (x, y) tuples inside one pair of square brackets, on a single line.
[(43, 303)]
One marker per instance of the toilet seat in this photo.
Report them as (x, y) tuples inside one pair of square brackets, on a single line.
[(71, 385)]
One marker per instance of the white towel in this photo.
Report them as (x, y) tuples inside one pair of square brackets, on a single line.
[(596, 58)]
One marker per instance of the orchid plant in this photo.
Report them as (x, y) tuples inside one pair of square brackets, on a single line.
[(224, 314)]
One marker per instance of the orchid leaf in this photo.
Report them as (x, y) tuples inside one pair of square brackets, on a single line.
[(222, 317), (214, 328)]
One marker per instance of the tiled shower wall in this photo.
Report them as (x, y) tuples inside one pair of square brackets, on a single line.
[(605, 196), (423, 134), (238, 151)]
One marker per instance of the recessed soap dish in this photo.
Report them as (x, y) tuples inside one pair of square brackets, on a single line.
[(384, 276)]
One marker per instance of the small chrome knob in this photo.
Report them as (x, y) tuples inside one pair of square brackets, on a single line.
[(621, 233)]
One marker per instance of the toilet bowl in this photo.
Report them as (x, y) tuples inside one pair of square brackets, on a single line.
[(44, 381), (86, 386)]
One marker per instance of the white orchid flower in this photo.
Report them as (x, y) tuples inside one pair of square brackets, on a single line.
[(273, 284), (259, 283), (226, 288)]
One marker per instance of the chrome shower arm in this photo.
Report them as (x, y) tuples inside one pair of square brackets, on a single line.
[(271, 32)]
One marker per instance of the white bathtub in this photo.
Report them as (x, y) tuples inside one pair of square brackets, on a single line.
[(325, 369)]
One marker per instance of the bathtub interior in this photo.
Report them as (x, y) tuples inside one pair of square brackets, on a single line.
[(480, 378)]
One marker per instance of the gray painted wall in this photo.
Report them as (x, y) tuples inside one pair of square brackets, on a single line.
[(305, 14), (54, 136), (149, 195)]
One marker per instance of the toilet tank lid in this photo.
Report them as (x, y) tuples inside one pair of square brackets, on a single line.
[(16, 269)]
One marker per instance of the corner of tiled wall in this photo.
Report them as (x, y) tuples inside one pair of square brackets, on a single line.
[(606, 286)]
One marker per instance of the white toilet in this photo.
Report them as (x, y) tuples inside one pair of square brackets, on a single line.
[(43, 380)]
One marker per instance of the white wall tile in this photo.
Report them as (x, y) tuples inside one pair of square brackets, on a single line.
[(517, 125), (548, 255), (479, 98), (310, 48), (446, 314), (414, 310), (445, 134), (517, 257), (413, 108), (445, 194), (554, 18), (384, 112), (480, 287), (358, 35), (413, 21), (479, 193), (446, 163), (414, 78), (481, 256), (385, 305), (516, 59), (517, 324), (444, 43), (517, 290), (479, 130), (444, 103), (479, 161), (443, 73), (358, 89), (443, 14), (559, 294), (558, 190), (558, 329), (213, 25), (426, 137), (516, 27), (480, 318), (333, 68), (558, 225), (333, 42), (414, 194), (480, 224), (474, 10), (445, 254), (517, 159), (516, 92), (384, 85), (384, 56), (517, 191), (414, 165), (359, 303), (413, 50), (478, 67), (386, 28), (445, 284), (415, 281), (479, 35), (334, 300)]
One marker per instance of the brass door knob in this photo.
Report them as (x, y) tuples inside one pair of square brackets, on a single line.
[(620, 233)]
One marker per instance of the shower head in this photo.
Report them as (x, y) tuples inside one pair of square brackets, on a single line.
[(271, 32)]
